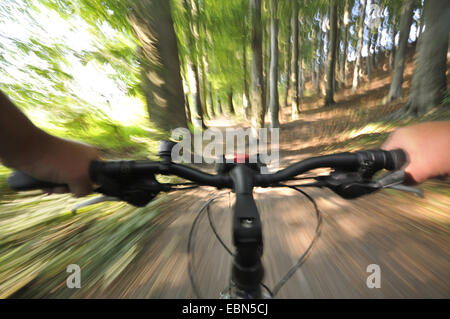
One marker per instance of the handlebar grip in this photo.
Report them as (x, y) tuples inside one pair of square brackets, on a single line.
[(375, 160), (20, 181), (395, 159)]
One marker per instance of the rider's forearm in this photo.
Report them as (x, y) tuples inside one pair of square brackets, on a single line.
[(20, 139)]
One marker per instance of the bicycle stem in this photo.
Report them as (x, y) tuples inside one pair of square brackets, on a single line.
[(247, 269)]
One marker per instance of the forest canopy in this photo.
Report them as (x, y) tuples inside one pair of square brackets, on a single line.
[(72, 63)]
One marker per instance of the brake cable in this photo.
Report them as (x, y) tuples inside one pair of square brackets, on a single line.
[(288, 274), (305, 255), (189, 248), (182, 188), (215, 232)]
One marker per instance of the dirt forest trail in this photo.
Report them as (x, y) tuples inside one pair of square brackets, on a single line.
[(408, 242), (406, 236)]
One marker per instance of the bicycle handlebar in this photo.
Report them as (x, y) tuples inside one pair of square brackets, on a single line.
[(373, 160), (125, 171)]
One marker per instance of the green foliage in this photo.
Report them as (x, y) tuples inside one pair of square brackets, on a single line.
[(42, 68), (40, 237)]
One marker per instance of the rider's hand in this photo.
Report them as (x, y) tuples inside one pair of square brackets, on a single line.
[(60, 161), (428, 149)]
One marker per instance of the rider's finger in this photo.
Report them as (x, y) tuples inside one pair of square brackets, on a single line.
[(60, 190), (48, 191), (81, 189)]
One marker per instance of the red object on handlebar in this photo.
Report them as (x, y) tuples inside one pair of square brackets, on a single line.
[(240, 158)]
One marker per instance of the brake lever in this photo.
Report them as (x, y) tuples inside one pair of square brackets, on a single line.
[(390, 179), (141, 200), (394, 180), (138, 198), (93, 201), (410, 189), (351, 185)]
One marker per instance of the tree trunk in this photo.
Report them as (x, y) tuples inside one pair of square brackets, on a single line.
[(288, 66), (376, 38), (313, 73), (300, 68), (347, 30), (429, 81), (267, 65), (360, 45), (317, 76), (187, 108), (203, 92), (394, 33), (448, 51), (258, 98), (318, 60), (301, 80), (192, 64), (338, 81), (326, 50), (230, 102), (323, 58), (331, 58), (419, 31), (369, 46), (274, 99), (161, 80), (210, 103), (395, 90), (344, 66), (245, 96), (294, 63), (194, 88), (200, 48)]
